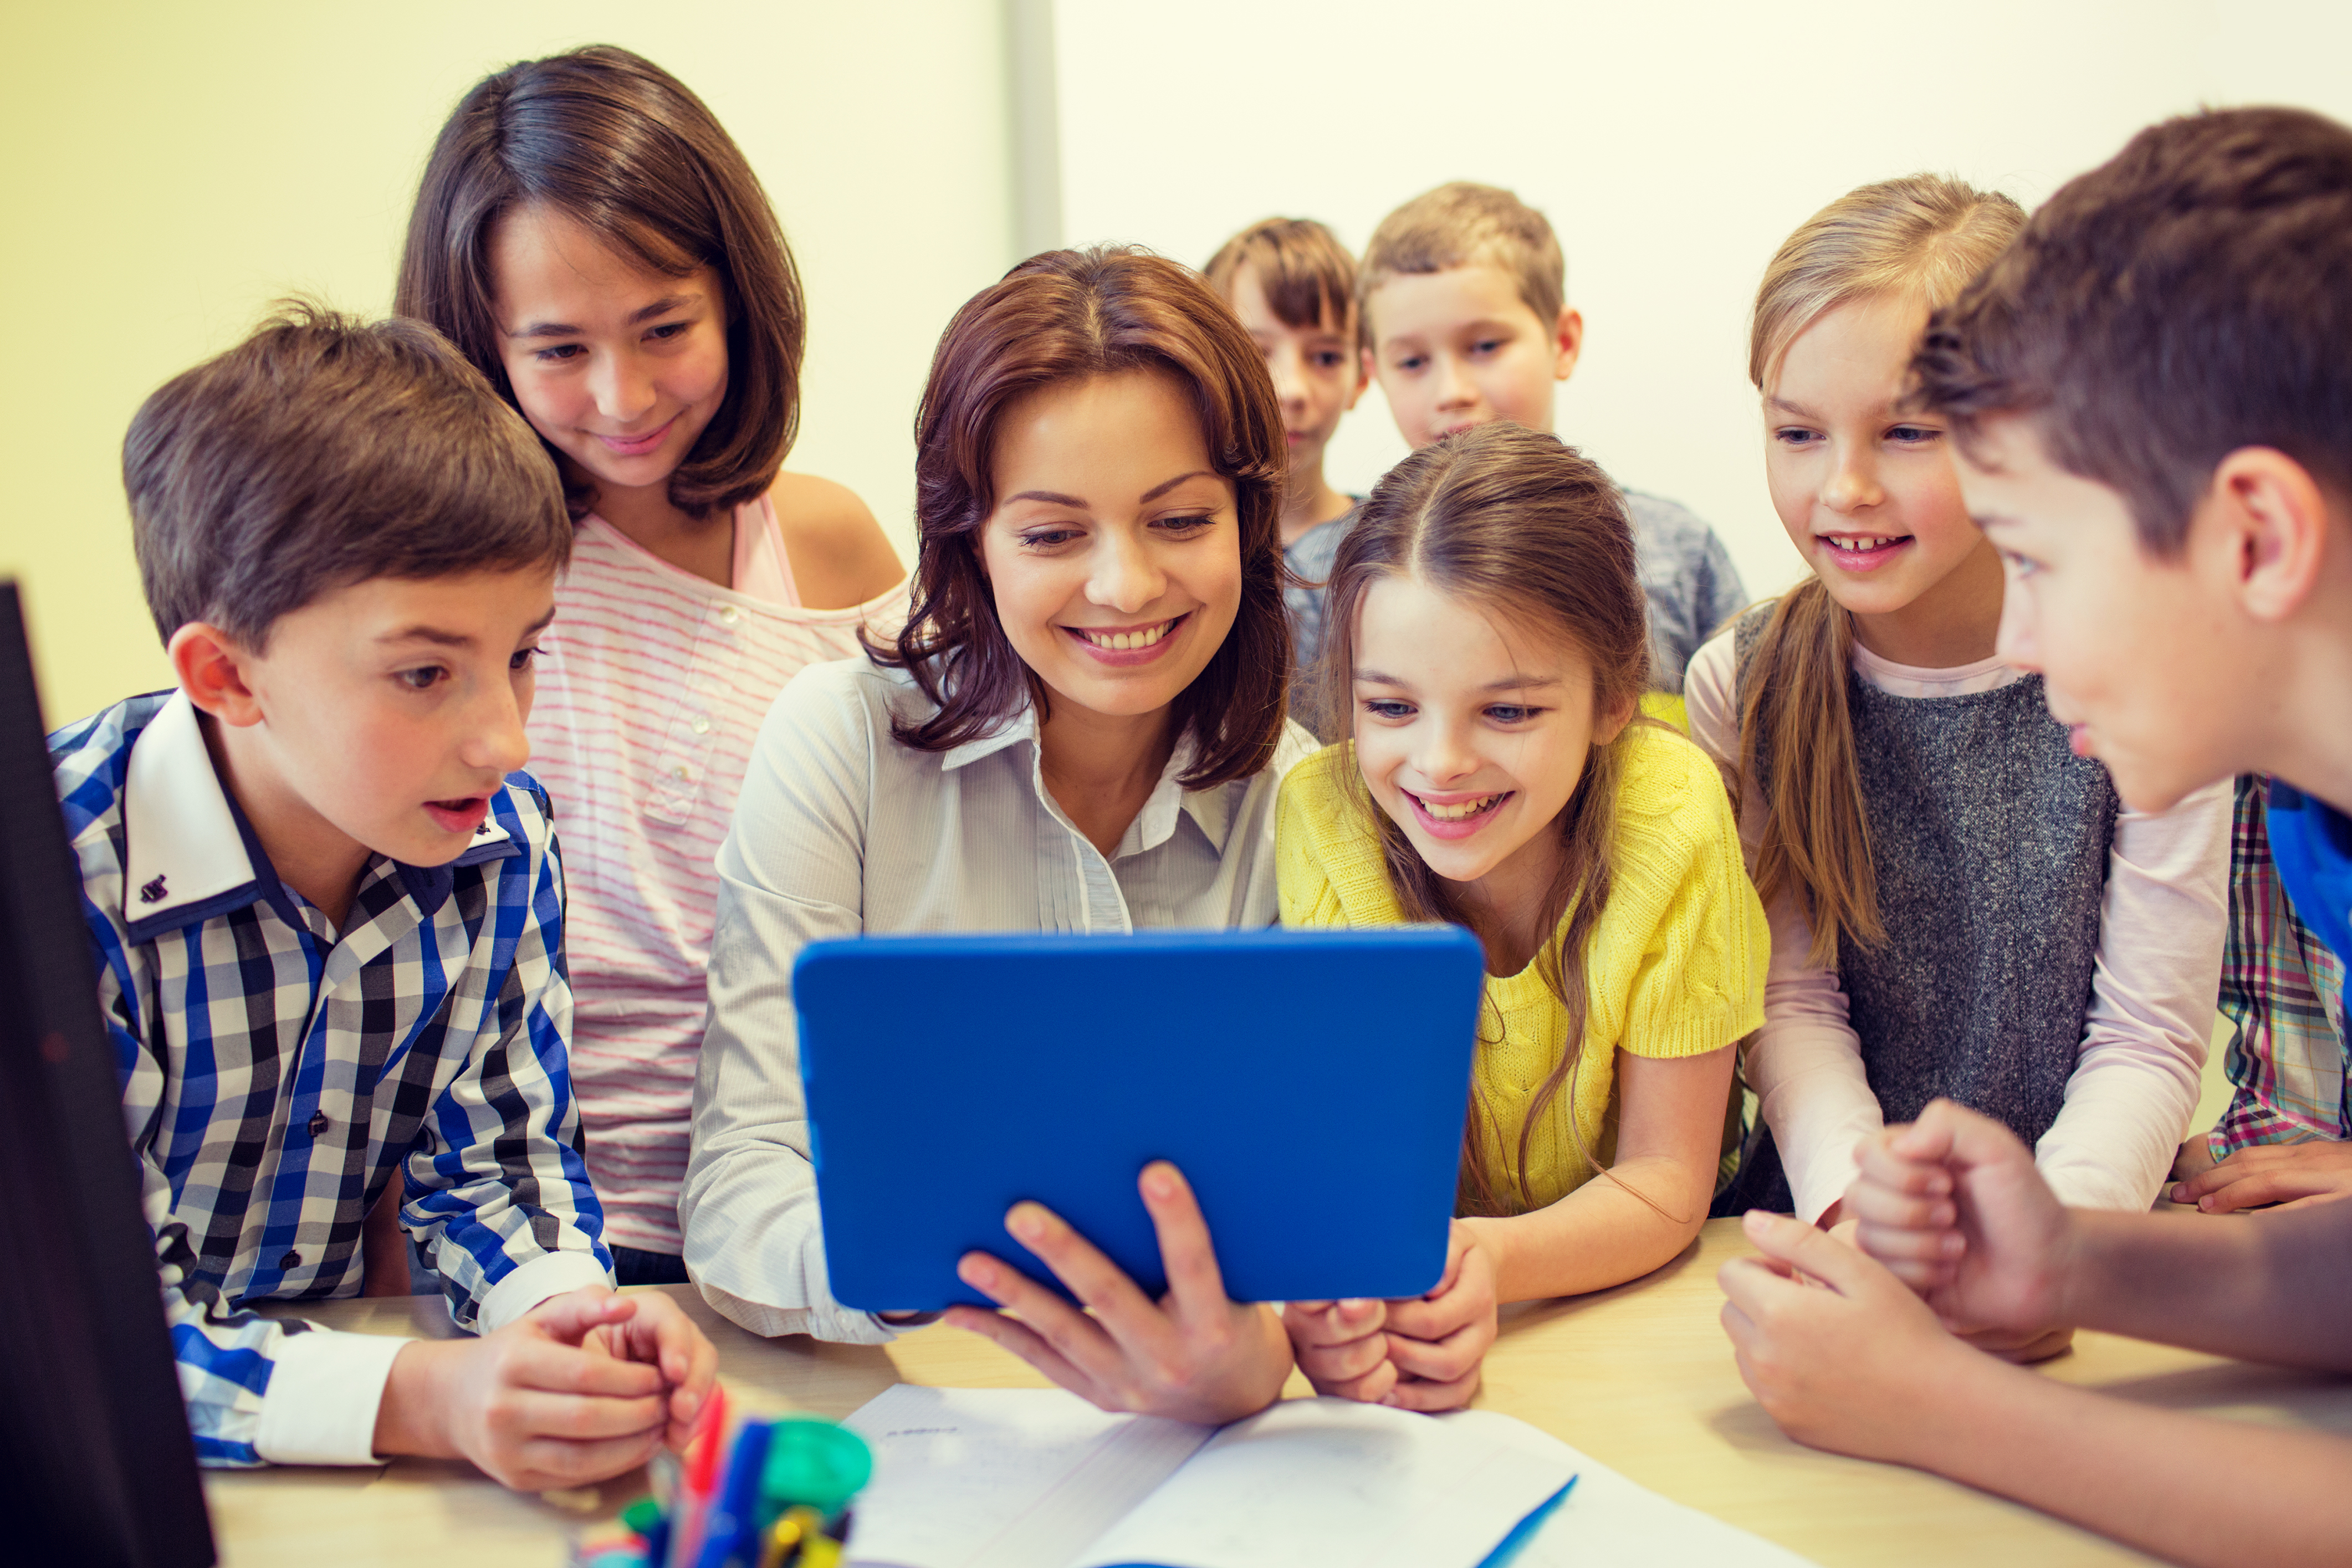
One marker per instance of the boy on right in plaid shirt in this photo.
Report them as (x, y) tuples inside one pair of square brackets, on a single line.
[(2284, 1139)]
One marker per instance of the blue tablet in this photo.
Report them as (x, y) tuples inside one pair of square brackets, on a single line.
[(1311, 1086)]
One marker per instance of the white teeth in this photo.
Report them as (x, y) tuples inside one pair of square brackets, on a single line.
[(1460, 809), (1121, 642), (1859, 544)]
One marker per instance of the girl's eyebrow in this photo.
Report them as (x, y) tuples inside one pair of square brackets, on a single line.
[(662, 306)]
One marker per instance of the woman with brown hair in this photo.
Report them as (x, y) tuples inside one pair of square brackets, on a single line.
[(1488, 643), (1081, 728), (591, 238)]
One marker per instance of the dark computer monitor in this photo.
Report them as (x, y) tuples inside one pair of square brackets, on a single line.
[(94, 1442)]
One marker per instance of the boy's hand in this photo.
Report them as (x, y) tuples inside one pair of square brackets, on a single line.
[(532, 1404), (1342, 1347), (661, 1335), (2287, 1175), (1953, 1208), (1437, 1341), (1194, 1355), (1844, 1363)]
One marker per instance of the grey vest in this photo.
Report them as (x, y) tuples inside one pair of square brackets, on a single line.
[(1991, 839)]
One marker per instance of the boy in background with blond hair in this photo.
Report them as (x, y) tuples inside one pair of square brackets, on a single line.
[(1463, 305), (1293, 285)]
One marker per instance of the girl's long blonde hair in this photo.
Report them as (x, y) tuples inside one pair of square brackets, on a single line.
[(1517, 522), (1925, 236)]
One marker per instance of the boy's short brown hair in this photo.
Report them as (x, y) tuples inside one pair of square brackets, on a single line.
[(1308, 276), (1456, 224), (320, 452), (2191, 297)]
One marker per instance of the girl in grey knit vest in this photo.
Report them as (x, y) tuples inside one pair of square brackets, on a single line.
[(1960, 907)]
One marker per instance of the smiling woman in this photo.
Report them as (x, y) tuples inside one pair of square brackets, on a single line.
[(1081, 728)]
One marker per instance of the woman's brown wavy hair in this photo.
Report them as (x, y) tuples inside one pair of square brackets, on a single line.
[(1066, 316), (1924, 235), (620, 147), (1536, 533)]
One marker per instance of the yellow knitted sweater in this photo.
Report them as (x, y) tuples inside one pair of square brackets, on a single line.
[(1676, 967)]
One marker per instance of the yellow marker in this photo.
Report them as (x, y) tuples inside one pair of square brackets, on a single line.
[(782, 1539), (824, 1552)]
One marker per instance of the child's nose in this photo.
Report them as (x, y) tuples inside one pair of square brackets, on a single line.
[(499, 740), (1455, 388), (1854, 484), (1289, 384), (1445, 754), (622, 390)]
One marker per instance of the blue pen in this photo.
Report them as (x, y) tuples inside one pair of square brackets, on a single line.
[(731, 1536)]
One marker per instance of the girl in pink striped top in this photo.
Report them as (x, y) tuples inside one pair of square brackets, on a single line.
[(596, 243)]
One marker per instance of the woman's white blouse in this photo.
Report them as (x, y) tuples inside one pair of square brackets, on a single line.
[(842, 830)]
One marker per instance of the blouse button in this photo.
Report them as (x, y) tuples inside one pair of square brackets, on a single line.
[(682, 773), (702, 723), (728, 615)]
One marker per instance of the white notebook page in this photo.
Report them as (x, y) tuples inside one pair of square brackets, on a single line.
[(1330, 1481), (1002, 1478)]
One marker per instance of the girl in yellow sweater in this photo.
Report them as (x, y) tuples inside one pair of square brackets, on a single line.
[(1486, 634)]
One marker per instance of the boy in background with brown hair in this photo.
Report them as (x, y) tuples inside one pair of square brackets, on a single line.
[(2148, 393), (1293, 285), (328, 915), (1463, 304)]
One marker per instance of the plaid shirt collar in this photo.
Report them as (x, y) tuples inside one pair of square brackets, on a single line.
[(190, 854)]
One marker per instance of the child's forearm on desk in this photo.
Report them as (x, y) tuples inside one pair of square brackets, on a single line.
[(2187, 1487), (1598, 1235)]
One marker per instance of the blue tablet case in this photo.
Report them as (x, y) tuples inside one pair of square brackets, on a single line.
[(1311, 1086)]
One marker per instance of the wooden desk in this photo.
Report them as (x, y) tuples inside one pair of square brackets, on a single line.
[(1640, 1377)]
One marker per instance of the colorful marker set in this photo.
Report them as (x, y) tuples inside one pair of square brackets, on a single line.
[(769, 1494)]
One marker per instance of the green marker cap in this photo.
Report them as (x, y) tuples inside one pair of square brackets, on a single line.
[(813, 1462), (642, 1515)]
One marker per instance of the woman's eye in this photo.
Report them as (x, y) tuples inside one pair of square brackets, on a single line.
[(1046, 538), (1191, 522), (560, 354), (667, 330), (523, 657), (423, 678)]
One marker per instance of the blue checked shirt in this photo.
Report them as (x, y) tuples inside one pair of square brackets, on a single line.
[(276, 1074)]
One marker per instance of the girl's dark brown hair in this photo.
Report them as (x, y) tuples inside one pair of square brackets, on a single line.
[(1924, 235), (1538, 535), (611, 140), (1065, 316)]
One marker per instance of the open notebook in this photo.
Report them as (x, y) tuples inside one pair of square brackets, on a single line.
[(1023, 1478)]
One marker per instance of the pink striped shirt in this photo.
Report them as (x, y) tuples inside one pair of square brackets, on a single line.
[(651, 692)]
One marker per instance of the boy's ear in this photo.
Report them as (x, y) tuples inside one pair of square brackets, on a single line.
[(2275, 521), (1568, 342), (211, 665)]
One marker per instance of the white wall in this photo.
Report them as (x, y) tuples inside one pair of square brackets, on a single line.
[(171, 169), (1674, 147)]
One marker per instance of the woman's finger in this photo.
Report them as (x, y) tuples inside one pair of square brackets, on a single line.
[(1195, 1284), (1024, 1342), (1078, 1339)]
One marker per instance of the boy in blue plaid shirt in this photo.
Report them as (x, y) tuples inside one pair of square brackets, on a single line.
[(328, 915)]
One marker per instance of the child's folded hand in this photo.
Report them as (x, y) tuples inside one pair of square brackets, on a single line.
[(1437, 1341), (1953, 1207), (1341, 1347), (531, 1404), (657, 1333)]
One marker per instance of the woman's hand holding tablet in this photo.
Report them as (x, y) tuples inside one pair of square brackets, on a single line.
[(1196, 1354)]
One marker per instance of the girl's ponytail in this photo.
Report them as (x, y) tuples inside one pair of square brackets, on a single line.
[(1795, 750)]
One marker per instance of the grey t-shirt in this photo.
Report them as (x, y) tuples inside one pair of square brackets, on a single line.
[(1687, 575)]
